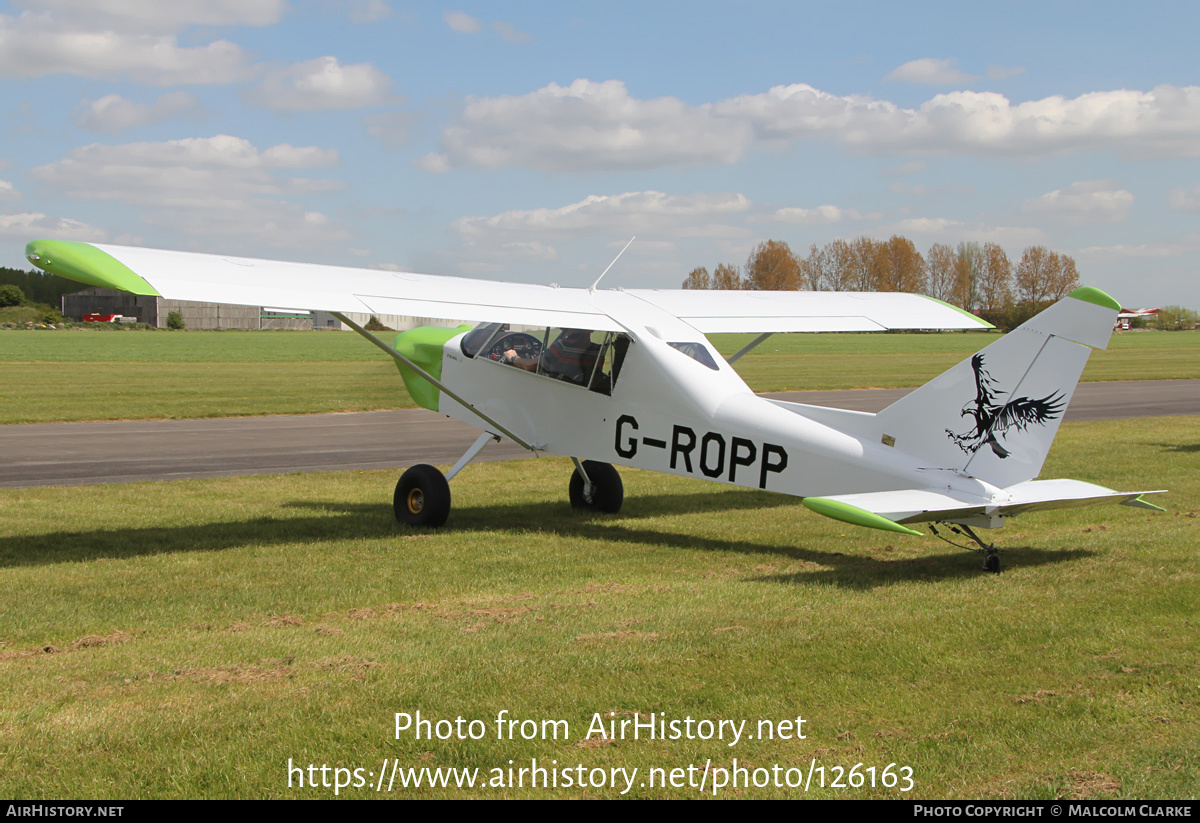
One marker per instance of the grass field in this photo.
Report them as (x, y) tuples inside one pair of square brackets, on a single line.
[(51, 376), (187, 639)]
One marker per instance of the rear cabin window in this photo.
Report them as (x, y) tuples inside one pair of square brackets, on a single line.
[(698, 352)]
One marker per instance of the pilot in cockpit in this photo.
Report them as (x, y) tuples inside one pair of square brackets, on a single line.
[(571, 357)]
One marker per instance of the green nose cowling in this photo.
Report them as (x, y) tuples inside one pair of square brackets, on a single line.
[(423, 346)]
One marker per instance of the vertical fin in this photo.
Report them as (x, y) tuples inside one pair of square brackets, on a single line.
[(995, 414)]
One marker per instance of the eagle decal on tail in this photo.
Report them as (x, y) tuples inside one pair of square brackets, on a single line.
[(993, 418)]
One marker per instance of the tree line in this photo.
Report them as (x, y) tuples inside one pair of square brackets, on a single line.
[(978, 277), (39, 287)]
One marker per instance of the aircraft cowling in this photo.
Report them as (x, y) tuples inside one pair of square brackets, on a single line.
[(423, 346)]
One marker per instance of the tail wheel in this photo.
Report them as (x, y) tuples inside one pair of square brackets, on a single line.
[(608, 493), (422, 497)]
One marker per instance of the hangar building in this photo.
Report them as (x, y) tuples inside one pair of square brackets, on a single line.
[(153, 311)]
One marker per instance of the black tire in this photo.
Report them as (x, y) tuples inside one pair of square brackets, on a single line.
[(422, 497), (992, 563), (609, 491)]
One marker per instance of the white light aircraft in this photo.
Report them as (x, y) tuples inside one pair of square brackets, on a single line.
[(627, 377)]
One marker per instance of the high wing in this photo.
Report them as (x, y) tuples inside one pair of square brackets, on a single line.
[(251, 282), (226, 279), (713, 312)]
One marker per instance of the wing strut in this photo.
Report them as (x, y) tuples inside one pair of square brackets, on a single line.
[(749, 347), (424, 375)]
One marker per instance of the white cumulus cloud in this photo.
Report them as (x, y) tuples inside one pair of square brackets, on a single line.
[(1088, 201), (511, 33), (33, 46), (651, 213), (931, 71), (222, 187), (369, 11), (1188, 245), (157, 15), (433, 163), (322, 84), (113, 114), (462, 22), (588, 127), (1165, 120), (946, 230), (35, 224), (821, 215)]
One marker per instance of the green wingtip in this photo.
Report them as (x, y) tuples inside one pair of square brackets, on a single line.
[(847, 513), (1141, 503), (87, 264), (1090, 294), (983, 323)]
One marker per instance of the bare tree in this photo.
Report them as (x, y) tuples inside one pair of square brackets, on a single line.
[(698, 278), (1066, 279), (863, 271), (726, 276), (814, 269), (966, 275), (941, 263), (830, 268), (1035, 273), (994, 281)]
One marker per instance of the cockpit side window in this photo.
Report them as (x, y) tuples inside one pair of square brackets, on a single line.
[(698, 352), (571, 355), (582, 357), (613, 348)]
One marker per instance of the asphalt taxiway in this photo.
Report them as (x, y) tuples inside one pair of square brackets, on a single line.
[(64, 454)]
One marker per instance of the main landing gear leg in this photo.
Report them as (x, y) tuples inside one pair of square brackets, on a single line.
[(422, 495), (991, 560)]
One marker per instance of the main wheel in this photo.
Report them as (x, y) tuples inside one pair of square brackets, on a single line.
[(608, 493), (422, 497), (992, 563)]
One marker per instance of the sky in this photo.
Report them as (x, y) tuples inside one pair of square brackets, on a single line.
[(530, 141)]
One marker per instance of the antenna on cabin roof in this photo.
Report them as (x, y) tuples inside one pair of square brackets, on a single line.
[(613, 263)]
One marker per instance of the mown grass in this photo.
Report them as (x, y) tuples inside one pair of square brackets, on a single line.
[(186, 639), (796, 362), (85, 375)]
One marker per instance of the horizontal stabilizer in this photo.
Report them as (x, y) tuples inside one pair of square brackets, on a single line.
[(894, 510), (1039, 495)]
